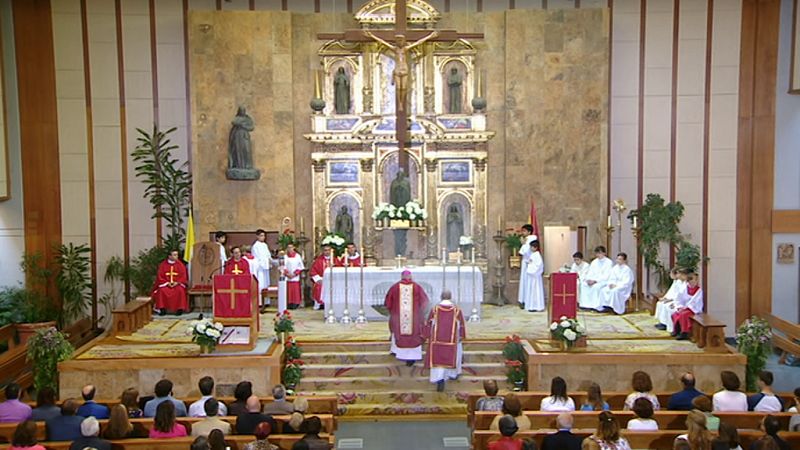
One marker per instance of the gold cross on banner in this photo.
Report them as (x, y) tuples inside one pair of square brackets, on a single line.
[(236, 270), (563, 295), (232, 291), (171, 274)]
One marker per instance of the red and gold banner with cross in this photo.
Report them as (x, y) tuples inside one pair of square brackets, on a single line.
[(232, 296), (563, 295)]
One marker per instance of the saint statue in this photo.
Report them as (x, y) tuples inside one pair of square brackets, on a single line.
[(401, 65), (455, 227), (400, 190), (341, 92), (344, 224), (240, 150), (454, 81)]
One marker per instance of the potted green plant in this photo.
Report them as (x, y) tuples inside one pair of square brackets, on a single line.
[(292, 374), (142, 270), (36, 310), (283, 324), (515, 374), (754, 340), (74, 281), (46, 349), (513, 243)]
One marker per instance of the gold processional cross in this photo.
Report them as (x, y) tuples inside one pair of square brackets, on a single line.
[(233, 291), (397, 40)]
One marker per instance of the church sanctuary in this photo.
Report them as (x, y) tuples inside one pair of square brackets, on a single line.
[(399, 224)]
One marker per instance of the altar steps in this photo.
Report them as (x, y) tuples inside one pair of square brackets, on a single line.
[(370, 381)]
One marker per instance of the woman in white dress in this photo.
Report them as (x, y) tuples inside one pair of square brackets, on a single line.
[(644, 416), (557, 401), (730, 398)]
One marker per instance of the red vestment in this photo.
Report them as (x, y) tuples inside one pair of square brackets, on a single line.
[(233, 267), (444, 330), (683, 318), (293, 268), (316, 273), (349, 261), (171, 298), (406, 302)]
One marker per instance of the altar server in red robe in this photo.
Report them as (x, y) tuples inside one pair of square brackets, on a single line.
[(169, 292), (237, 265), (351, 257), (445, 331), (292, 268), (407, 302), (692, 301), (317, 271)]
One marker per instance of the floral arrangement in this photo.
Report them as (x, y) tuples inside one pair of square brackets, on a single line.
[(465, 241), (513, 240), (515, 355), (513, 349), (206, 333), (567, 330), (285, 238), (283, 323), (291, 349), (46, 349), (410, 211), (292, 373), (515, 373), (753, 339), (336, 241)]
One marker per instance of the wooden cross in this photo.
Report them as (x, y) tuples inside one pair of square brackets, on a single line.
[(236, 270), (563, 295), (398, 40), (171, 274), (233, 291)]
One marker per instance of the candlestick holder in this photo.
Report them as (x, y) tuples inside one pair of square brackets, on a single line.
[(609, 233), (499, 297), (331, 316), (302, 241), (346, 319), (361, 318), (638, 293)]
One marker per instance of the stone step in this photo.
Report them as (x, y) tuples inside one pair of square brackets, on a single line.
[(384, 357), (378, 383), (394, 368), (372, 346)]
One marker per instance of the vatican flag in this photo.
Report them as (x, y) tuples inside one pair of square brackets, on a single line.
[(187, 252)]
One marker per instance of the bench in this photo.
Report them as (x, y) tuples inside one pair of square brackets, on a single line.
[(708, 332), (667, 420), (13, 365), (653, 440), (283, 441), (132, 315), (145, 424)]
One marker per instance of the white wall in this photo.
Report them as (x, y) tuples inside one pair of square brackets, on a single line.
[(12, 242), (785, 287)]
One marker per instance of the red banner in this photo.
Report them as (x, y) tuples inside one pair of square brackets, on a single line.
[(563, 295), (232, 296)]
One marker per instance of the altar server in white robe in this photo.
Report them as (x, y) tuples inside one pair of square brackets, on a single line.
[(533, 272), (525, 253), (595, 280), (579, 266), (292, 268), (264, 261), (666, 305), (619, 286), (221, 238)]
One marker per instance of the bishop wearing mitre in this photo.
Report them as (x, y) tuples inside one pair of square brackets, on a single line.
[(169, 293), (407, 303), (445, 332), (237, 265), (321, 263), (292, 268), (351, 257)]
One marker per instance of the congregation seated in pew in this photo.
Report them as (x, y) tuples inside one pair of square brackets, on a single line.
[(90, 436)]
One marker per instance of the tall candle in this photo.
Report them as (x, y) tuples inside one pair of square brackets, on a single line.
[(635, 222), (472, 255), (609, 221), (317, 93), (301, 223), (500, 222)]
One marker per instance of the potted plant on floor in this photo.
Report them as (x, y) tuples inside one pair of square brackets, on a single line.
[(292, 374), (516, 357), (46, 349), (206, 334), (754, 340), (74, 281), (36, 310)]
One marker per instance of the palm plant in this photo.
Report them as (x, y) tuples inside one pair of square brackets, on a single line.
[(168, 182), (74, 281)]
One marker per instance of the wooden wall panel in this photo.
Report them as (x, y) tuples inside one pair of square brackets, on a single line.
[(38, 120), (786, 221)]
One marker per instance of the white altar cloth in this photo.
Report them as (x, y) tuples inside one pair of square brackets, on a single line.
[(378, 280)]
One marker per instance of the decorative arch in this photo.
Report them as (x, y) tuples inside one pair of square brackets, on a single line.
[(464, 202), (388, 167), (334, 203), (382, 12)]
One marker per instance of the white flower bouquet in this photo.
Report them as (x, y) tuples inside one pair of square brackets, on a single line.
[(206, 333), (336, 241), (465, 241), (567, 330), (410, 211)]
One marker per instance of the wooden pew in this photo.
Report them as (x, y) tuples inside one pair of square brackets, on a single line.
[(653, 440), (667, 420), (7, 429), (708, 332), (13, 365), (531, 400), (132, 315), (283, 441)]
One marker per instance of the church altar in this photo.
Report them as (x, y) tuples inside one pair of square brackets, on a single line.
[(377, 281)]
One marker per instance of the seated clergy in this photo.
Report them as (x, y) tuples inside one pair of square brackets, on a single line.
[(596, 278), (616, 293), (690, 303), (169, 293), (666, 305), (237, 265)]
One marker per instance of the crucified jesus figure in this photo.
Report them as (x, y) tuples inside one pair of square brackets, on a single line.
[(401, 66)]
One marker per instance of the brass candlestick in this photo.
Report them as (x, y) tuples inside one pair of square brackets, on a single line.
[(499, 284)]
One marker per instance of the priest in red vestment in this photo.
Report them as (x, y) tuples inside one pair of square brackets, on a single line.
[(351, 257), (322, 262), (169, 292), (237, 265), (445, 331), (407, 302)]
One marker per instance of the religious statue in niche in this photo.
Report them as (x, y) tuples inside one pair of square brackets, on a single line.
[(400, 190), (341, 92), (454, 82), (240, 149), (455, 227), (401, 66), (344, 224)]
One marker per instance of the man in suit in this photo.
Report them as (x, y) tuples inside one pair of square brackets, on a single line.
[(67, 426), (89, 407), (247, 421), (211, 421), (682, 401), (563, 439), (280, 405), (90, 430)]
